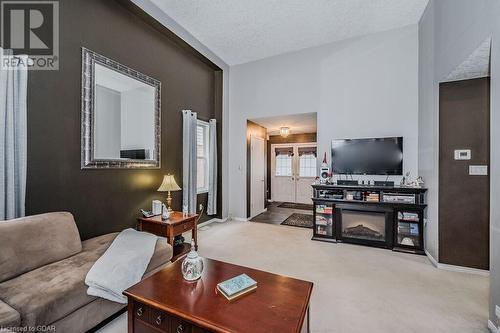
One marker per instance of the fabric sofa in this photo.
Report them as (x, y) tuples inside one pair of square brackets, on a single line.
[(43, 264)]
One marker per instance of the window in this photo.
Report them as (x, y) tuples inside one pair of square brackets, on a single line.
[(202, 130), (283, 165), (307, 165)]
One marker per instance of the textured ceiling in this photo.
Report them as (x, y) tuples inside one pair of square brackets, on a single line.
[(298, 123), (240, 31), (475, 66)]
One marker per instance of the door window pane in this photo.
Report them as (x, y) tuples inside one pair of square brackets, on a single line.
[(307, 165), (283, 165)]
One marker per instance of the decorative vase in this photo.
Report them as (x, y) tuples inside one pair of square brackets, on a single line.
[(192, 265)]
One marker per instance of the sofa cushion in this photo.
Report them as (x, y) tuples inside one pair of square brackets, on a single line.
[(49, 293), (33, 241), (162, 255), (8, 316)]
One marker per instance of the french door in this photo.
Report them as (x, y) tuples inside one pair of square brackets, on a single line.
[(293, 170)]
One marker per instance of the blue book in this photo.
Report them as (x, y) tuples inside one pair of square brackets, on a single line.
[(237, 286)]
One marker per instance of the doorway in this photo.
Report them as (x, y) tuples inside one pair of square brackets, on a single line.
[(293, 170), (258, 172)]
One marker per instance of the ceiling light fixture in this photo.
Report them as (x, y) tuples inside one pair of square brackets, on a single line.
[(284, 131)]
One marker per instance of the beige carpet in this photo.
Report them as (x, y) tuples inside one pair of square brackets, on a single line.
[(356, 288)]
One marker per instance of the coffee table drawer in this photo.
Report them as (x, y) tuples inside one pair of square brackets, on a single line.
[(155, 318), (142, 312), (180, 326)]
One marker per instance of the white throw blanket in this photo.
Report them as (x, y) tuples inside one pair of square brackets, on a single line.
[(121, 266)]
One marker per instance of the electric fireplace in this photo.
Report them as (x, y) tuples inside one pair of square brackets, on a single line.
[(363, 227)]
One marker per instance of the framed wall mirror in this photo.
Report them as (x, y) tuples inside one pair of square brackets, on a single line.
[(120, 115)]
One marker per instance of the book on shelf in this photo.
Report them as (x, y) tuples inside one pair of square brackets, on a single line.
[(407, 216), (320, 220), (236, 286), (324, 210)]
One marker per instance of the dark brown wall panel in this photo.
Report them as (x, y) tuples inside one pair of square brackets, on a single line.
[(275, 139), (464, 123), (109, 200)]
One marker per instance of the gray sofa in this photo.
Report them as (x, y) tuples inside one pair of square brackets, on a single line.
[(43, 264)]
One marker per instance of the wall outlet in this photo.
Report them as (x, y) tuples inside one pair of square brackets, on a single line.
[(478, 170)]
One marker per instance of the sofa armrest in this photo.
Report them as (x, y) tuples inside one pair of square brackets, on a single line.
[(9, 317)]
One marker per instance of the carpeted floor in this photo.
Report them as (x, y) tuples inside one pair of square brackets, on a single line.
[(356, 288)]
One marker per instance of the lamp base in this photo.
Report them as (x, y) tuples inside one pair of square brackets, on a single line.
[(169, 202)]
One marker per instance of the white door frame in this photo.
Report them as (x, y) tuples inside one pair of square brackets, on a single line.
[(257, 186), (292, 181)]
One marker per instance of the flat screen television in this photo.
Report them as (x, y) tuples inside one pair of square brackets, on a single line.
[(377, 156)]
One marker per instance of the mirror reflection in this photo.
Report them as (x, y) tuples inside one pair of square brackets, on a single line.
[(124, 117)]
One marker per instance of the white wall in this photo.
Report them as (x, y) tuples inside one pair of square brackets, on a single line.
[(450, 31), (362, 87), (151, 9), (107, 123), (138, 119)]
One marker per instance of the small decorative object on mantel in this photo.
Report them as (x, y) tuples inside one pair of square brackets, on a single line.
[(406, 180), (419, 182), (237, 286), (168, 185), (192, 265)]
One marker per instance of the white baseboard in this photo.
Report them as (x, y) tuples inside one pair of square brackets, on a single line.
[(461, 269), (214, 220), (432, 259), (246, 219), (492, 327), (454, 268), (240, 219)]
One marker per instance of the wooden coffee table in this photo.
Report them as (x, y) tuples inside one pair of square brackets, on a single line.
[(165, 302)]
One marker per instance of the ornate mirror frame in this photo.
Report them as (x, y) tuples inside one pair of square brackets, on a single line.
[(89, 59)]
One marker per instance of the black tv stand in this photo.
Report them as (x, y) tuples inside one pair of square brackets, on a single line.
[(383, 216)]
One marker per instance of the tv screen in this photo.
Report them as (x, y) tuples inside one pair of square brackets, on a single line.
[(379, 156)]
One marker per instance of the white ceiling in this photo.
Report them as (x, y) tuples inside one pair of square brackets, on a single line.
[(475, 66), (240, 31), (298, 123)]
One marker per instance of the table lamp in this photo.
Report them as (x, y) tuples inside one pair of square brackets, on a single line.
[(168, 185)]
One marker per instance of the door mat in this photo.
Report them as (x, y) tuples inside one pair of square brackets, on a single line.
[(299, 220)]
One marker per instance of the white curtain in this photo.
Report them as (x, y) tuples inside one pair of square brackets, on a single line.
[(13, 105), (212, 167), (189, 169)]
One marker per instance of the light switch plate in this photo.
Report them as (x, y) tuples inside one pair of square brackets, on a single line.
[(463, 154), (478, 170)]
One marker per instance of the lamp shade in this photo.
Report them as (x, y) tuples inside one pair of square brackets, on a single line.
[(168, 184)]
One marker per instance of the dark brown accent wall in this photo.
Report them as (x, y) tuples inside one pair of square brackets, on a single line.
[(103, 201), (464, 123), (261, 132), (276, 139)]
